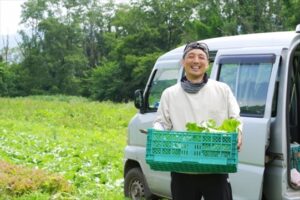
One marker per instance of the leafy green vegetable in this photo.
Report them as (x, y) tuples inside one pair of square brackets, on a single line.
[(194, 127), (228, 125)]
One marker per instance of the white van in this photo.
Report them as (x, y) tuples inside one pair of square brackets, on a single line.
[(263, 71)]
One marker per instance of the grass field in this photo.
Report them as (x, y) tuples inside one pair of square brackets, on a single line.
[(62, 148)]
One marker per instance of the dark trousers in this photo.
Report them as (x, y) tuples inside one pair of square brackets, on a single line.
[(194, 186)]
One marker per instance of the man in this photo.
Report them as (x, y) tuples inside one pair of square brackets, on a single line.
[(195, 99)]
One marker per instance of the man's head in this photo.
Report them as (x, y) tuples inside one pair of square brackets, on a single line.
[(195, 61)]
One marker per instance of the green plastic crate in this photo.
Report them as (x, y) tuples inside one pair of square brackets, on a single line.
[(295, 156), (180, 151)]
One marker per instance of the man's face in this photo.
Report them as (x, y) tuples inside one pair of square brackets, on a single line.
[(195, 64)]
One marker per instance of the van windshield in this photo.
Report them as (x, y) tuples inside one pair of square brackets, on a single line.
[(248, 77), (163, 78)]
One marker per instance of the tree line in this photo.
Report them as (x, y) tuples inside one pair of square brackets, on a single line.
[(106, 50)]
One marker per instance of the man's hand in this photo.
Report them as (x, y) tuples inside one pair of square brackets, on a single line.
[(240, 140)]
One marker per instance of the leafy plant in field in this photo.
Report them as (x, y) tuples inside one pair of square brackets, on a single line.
[(81, 140), (17, 180)]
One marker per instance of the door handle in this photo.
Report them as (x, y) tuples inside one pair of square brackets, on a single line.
[(144, 131)]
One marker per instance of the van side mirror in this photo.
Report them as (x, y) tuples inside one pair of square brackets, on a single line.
[(139, 99), (298, 28)]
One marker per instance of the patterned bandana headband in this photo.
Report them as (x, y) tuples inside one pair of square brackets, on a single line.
[(196, 45)]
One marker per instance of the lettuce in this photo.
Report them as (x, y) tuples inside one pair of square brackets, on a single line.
[(228, 125)]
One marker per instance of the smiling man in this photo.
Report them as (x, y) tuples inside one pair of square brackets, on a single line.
[(195, 99)]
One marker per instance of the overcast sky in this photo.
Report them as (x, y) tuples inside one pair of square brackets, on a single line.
[(10, 11)]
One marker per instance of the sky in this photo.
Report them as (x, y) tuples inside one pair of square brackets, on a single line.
[(10, 12)]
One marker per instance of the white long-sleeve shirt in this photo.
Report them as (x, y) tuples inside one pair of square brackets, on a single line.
[(177, 107)]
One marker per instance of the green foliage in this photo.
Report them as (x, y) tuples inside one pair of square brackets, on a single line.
[(10, 79), (79, 139), (206, 23), (5, 79), (141, 67), (61, 60), (106, 82), (289, 13), (66, 42)]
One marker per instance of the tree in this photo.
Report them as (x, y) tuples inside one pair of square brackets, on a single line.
[(207, 21), (248, 16), (64, 55), (54, 59), (143, 31), (289, 13), (5, 50), (9, 79), (91, 48), (96, 25)]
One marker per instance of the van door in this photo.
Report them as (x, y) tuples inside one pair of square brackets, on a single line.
[(251, 76), (292, 119), (164, 74)]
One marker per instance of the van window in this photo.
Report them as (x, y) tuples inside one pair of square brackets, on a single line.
[(293, 99), (163, 78), (248, 77)]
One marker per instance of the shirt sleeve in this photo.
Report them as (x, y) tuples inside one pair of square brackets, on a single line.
[(163, 121)]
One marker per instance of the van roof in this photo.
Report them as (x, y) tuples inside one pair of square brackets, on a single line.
[(278, 39)]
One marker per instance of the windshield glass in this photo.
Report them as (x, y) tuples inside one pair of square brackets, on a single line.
[(164, 77)]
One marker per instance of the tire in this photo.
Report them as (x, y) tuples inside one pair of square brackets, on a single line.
[(135, 186)]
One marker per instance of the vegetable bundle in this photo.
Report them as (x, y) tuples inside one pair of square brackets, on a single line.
[(210, 126)]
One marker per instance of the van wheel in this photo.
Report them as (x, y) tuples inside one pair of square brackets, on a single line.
[(135, 186)]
